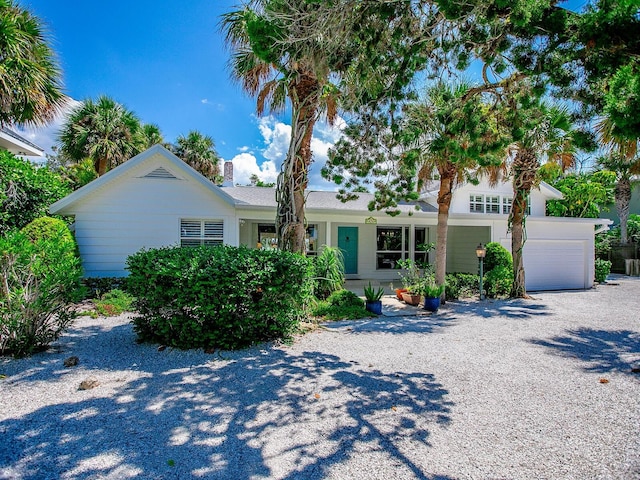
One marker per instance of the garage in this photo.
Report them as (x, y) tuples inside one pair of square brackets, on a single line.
[(555, 264)]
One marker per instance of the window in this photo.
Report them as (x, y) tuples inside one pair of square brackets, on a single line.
[(492, 204), (194, 233), (391, 246), (506, 205), (476, 203), (268, 238), (420, 245)]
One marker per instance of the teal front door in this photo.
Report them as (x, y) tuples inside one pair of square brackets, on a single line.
[(348, 243)]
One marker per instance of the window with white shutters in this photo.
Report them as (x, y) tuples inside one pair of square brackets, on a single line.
[(194, 233), (492, 204), (476, 203)]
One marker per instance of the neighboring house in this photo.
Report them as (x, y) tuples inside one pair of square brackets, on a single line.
[(155, 199), (11, 141)]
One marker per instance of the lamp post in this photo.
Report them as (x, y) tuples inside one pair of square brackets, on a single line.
[(481, 251)]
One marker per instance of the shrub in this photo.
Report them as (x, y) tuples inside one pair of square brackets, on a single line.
[(38, 282), (341, 305), (498, 281), (329, 272), (497, 256), (462, 285), (26, 191), (113, 303), (217, 297), (603, 269)]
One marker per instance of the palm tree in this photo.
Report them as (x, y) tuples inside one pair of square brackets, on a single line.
[(545, 131), (199, 152), (30, 83), (272, 74), (104, 131), (152, 135), (622, 158), (454, 134)]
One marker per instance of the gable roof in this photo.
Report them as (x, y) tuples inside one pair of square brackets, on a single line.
[(121, 170)]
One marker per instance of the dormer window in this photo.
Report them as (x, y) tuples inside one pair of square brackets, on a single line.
[(492, 204)]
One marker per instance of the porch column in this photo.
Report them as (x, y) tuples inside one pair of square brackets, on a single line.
[(328, 235)]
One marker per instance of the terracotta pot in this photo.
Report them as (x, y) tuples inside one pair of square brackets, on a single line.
[(411, 298), (399, 292)]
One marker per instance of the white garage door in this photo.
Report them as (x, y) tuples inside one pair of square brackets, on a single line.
[(555, 264)]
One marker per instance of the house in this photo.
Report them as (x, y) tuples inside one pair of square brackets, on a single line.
[(155, 199), (11, 141)]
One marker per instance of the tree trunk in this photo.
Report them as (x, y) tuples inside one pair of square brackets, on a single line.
[(623, 200), (100, 165), (525, 168), (292, 181), (447, 177)]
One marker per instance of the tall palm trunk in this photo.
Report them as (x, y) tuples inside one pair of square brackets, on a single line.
[(445, 193), (623, 199), (100, 165), (292, 181), (525, 167)]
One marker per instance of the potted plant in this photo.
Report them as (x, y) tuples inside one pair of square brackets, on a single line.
[(410, 275), (432, 293), (373, 303), (412, 296)]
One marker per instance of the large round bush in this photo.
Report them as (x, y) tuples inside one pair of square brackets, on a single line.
[(497, 256), (217, 297)]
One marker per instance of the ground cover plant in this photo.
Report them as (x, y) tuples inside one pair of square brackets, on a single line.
[(114, 302), (341, 305), (218, 297)]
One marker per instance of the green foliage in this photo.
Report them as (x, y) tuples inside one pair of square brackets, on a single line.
[(103, 130), (30, 77), (498, 281), (217, 297), (497, 256), (199, 152), (410, 273), (603, 269), (113, 303), (584, 194), (26, 191), (38, 282), (329, 272), (341, 305), (371, 294), (462, 285)]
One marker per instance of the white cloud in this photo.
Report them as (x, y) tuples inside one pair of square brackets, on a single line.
[(245, 165), (277, 136), (243, 149)]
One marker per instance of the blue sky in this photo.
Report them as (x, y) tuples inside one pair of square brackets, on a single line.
[(166, 61)]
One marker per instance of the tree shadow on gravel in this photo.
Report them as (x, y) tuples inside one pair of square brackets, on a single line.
[(603, 350), (511, 308), (266, 413)]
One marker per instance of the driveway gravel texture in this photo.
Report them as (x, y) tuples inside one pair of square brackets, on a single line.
[(545, 388)]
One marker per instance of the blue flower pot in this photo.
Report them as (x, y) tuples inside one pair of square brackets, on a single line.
[(432, 304), (374, 307)]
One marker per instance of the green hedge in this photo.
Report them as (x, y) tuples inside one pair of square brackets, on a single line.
[(218, 297)]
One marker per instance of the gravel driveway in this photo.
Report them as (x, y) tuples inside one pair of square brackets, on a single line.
[(537, 389)]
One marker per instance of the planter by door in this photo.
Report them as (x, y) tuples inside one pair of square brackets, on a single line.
[(432, 304), (411, 298), (399, 292), (374, 307)]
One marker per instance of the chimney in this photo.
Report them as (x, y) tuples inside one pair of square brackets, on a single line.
[(228, 174)]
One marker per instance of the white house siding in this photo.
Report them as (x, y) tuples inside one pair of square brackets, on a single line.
[(460, 200), (133, 213)]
